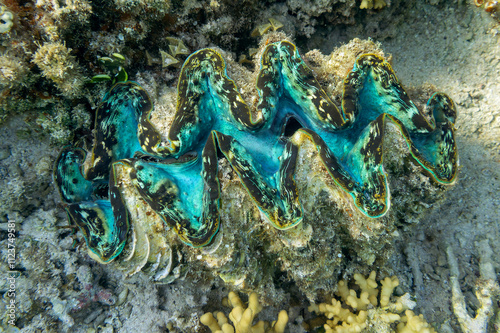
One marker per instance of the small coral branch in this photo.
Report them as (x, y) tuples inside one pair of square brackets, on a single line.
[(356, 314), (242, 317), (375, 4), (487, 290)]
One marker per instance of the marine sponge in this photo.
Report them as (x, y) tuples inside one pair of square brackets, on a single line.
[(58, 65), (367, 312), (242, 318)]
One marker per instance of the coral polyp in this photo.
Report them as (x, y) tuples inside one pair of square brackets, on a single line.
[(179, 180)]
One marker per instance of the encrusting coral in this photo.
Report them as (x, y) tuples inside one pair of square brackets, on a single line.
[(242, 317), (369, 312)]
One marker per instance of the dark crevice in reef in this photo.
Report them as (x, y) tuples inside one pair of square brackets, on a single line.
[(292, 125)]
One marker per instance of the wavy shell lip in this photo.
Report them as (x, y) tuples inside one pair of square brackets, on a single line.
[(180, 182), (72, 185)]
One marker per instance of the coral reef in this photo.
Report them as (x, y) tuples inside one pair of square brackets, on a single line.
[(66, 38), (334, 238), (370, 312), (332, 11), (59, 66), (25, 176), (63, 120), (262, 29), (151, 199), (487, 291), (13, 72), (243, 317), (140, 28), (60, 17), (74, 287), (152, 7)]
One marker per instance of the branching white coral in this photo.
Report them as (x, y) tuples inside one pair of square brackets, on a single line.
[(487, 289)]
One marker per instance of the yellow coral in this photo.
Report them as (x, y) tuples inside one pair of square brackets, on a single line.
[(368, 293), (388, 285), (375, 4), (364, 312), (412, 323), (242, 317)]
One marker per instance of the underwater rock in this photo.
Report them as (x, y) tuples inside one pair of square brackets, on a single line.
[(314, 172)]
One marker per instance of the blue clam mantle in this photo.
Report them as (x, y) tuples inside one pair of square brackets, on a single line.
[(180, 181)]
